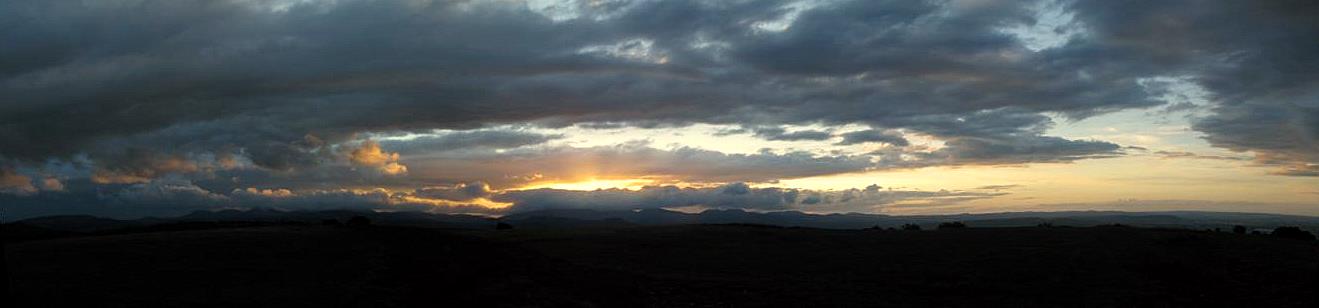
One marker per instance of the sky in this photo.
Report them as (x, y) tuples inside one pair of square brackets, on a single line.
[(134, 108)]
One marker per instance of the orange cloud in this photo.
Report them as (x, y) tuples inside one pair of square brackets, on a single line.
[(369, 154), (14, 183), (144, 167), (52, 184), (270, 193), (109, 177)]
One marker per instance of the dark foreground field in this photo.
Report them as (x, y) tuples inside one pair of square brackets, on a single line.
[(674, 266)]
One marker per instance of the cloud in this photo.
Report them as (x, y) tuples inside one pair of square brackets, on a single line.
[(1281, 136), (460, 140), (999, 187), (241, 94), (1024, 150), (734, 195), (369, 154), (460, 192), (780, 134), (266, 193), (167, 192), (173, 197), (868, 136), (1262, 86), (14, 183), (248, 80), (51, 184), (1182, 154)]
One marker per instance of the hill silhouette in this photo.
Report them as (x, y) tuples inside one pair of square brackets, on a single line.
[(663, 266), (57, 226)]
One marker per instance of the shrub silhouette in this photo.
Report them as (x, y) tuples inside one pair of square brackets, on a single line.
[(952, 225), (358, 221), (331, 222), (911, 227), (1239, 229), (503, 226), (1293, 233)]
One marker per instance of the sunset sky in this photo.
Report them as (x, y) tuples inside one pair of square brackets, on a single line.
[(132, 108)]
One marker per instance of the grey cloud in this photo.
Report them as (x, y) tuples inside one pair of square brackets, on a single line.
[(172, 197), (500, 139), (1257, 65), (1283, 136), (1181, 154), (999, 187), (735, 195), (1023, 150), (81, 197), (780, 134), (650, 197), (219, 82), (873, 135), (228, 75), (166, 192)]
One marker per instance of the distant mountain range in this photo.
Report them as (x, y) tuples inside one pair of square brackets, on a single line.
[(64, 225), (1178, 219)]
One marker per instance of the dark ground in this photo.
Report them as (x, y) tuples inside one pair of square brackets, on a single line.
[(672, 266)]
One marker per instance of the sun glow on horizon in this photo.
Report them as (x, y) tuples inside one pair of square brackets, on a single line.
[(483, 202)]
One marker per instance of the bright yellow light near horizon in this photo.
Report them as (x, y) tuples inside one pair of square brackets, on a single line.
[(594, 184)]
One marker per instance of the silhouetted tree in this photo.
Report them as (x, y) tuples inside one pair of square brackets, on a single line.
[(1293, 233), (952, 225), (358, 221), (1239, 229), (911, 227), (503, 226), (331, 222)]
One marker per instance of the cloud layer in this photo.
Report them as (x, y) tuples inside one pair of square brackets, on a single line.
[(230, 95)]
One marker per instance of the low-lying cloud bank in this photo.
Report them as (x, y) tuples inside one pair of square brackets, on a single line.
[(169, 198)]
